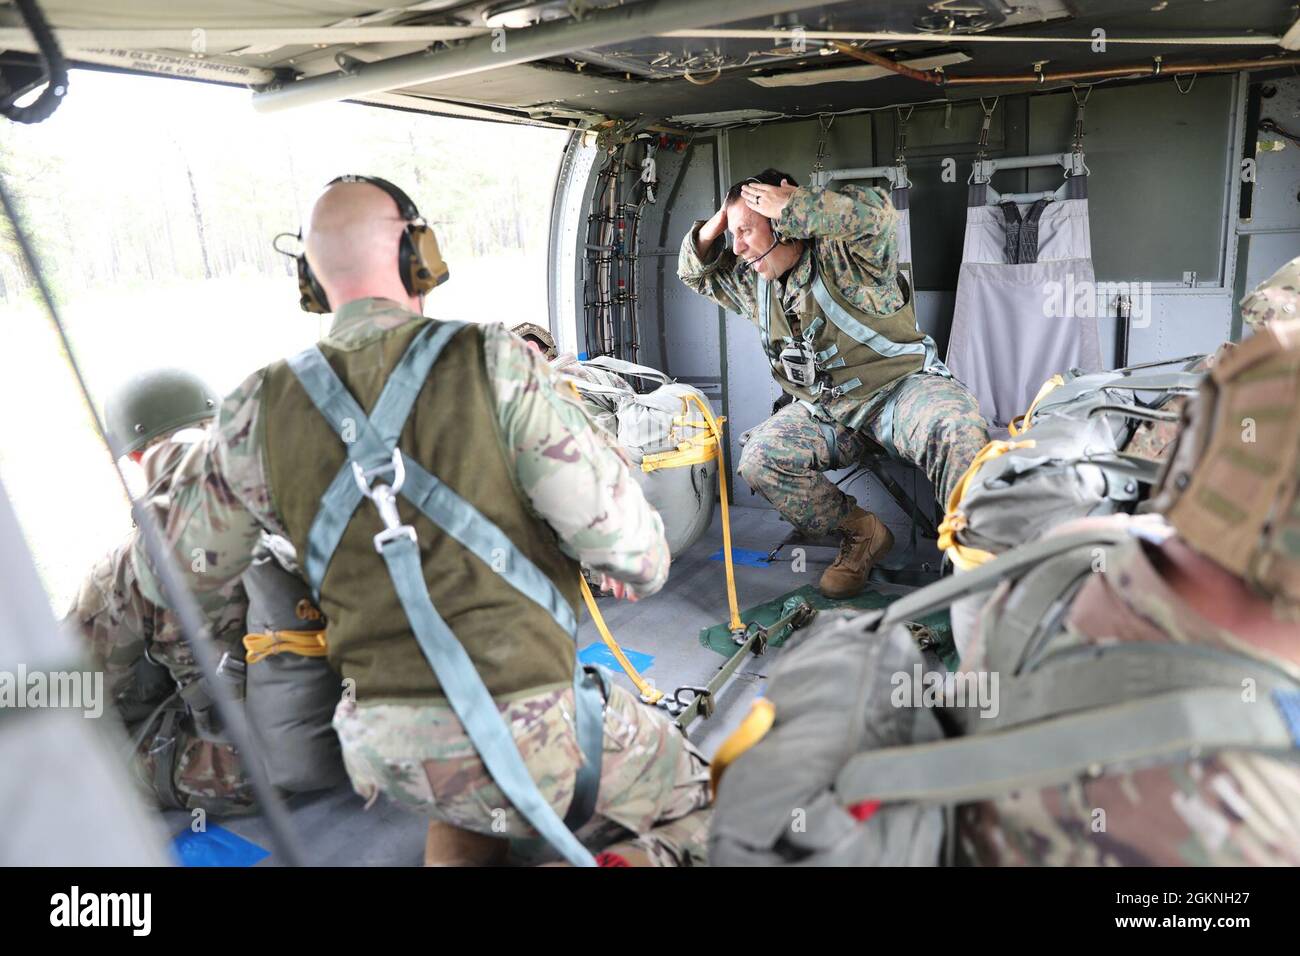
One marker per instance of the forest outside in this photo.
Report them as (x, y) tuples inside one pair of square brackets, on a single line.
[(154, 203)]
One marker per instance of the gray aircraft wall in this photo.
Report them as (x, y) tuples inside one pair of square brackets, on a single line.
[(1164, 191)]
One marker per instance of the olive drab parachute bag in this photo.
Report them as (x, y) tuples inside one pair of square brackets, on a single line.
[(674, 454), (1089, 445), (776, 804), (864, 745), (291, 689)]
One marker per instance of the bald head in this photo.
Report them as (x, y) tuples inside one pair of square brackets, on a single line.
[(351, 241)]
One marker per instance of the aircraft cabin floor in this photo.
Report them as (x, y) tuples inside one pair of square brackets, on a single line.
[(335, 830)]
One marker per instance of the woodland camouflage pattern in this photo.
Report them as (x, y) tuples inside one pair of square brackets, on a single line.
[(1275, 298), (1231, 809), (936, 424), (119, 624), (653, 783), (936, 421)]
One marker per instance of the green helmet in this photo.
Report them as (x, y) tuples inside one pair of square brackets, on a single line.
[(156, 403)]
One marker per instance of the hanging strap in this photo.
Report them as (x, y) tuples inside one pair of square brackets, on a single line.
[(380, 471), (1011, 231), (1029, 231)]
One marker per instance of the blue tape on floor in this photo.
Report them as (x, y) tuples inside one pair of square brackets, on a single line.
[(598, 653), (743, 556), (216, 846)]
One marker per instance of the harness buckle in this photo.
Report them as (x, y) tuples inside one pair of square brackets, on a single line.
[(385, 498)]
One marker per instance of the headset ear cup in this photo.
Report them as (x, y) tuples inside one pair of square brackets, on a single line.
[(312, 297), (426, 267)]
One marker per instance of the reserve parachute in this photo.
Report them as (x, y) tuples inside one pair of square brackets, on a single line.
[(673, 451), (1089, 445)]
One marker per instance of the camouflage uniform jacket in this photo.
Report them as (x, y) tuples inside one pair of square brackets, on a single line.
[(1230, 809), (1273, 299), (570, 473), (856, 233)]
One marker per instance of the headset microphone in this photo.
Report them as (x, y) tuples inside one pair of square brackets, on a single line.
[(775, 242)]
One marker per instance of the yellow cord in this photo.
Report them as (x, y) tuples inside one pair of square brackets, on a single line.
[(964, 557), (762, 714), (649, 694), (303, 643), (716, 429)]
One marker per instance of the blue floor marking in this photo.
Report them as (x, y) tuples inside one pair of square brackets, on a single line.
[(216, 846), (598, 653), (743, 556)]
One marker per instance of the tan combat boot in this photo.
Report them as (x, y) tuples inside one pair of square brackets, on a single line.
[(446, 845), (865, 539)]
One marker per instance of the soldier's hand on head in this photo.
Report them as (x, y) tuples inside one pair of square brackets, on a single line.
[(713, 228), (767, 200)]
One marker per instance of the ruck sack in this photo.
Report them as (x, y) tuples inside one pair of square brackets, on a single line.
[(1090, 445), (291, 689), (822, 785), (673, 454), (776, 804)]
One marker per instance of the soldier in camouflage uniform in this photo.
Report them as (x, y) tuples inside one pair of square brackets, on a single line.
[(491, 424), (839, 330), (150, 671), (1275, 298), (1218, 568)]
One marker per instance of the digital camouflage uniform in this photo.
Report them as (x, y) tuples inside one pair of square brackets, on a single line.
[(571, 477), (120, 626), (936, 421)]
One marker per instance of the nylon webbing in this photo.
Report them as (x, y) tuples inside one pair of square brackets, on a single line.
[(470, 699), (944, 592), (1087, 676), (374, 439), (1137, 733)]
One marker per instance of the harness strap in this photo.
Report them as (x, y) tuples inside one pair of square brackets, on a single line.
[(163, 750), (1026, 613), (470, 699), (1084, 677), (945, 591), (1134, 734), (1146, 382), (864, 335), (456, 517)]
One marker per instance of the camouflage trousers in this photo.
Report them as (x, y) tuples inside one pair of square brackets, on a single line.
[(654, 784), (174, 765), (929, 420)]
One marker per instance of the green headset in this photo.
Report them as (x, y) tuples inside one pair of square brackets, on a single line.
[(419, 261)]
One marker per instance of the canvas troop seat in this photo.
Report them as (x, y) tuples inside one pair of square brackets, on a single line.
[(1024, 308)]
